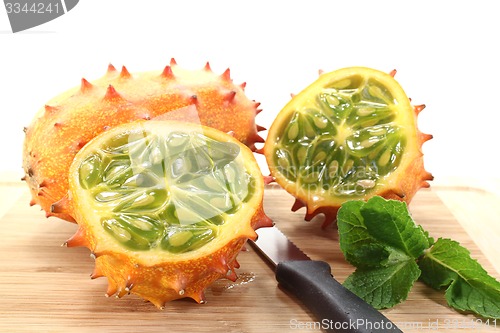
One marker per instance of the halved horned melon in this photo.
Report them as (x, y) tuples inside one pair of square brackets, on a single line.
[(351, 134), (165, 207)]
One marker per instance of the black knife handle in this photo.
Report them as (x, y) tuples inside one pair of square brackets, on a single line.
[(337, 308)]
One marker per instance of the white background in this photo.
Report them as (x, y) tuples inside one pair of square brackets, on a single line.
[(446, 53)]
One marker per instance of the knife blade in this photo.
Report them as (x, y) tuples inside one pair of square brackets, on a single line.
[(311, 281)]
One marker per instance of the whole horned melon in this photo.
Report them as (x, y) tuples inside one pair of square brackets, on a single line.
[(165, 207), (350, 135), (70, 120)]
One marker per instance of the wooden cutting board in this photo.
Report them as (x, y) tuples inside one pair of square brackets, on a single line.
[(46, 288)]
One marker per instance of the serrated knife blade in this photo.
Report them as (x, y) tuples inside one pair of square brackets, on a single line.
[(311, 281)]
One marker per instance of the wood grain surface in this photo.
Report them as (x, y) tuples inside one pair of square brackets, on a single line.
[(46, 287)]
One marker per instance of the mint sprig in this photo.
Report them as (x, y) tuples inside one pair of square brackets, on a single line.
[(468, 286), (390, 252)]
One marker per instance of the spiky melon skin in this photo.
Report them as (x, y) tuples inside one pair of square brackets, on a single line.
[(165, 282), (70, 120), (405, 182), (163, 277)]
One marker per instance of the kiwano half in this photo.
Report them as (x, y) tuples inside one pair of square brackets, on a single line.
[(350, 135)]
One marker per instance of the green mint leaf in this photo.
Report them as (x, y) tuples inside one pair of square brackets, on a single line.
[(384, 287), (358, 246), (381, 239), (389, 222), (468, 286)]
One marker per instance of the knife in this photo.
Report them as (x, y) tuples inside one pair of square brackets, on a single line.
[(311, 281)]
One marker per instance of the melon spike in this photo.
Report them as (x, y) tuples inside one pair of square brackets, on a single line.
[(231, 275), (229, 97), (112, 288), (77, 240), (199, 297), (226, 75), (61, 206), (111, 69), (393, 72), (96, 273), (320, 72), (425, 184), (236, 264), (173, 62), (111, 94), (297, 205), (124, 74), (257, 111), (261, 128), (261, 220), (167, 73), (207, 67), (425, 137), (50, 109), (428, 176), (258, 138), (243, 85), (129, 284), (85, 86), (419, 108), (268, 179)]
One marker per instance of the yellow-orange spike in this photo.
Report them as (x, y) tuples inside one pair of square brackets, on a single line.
[(229, 97), (112, 288), (226, 75), (393, 72), (261, 128), (207, 67), (425, 137), (231, 274), (199, 297), (257, 111), (111, 69), (268, 179), (60, 206), (193, 99), (243, 85), (419, 108), (125, 74), (262, 220), (111, 94), (77, 240), (258, 138), (167, 73), (96, 273), (50, 109), (85, 86), (173, 62)]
